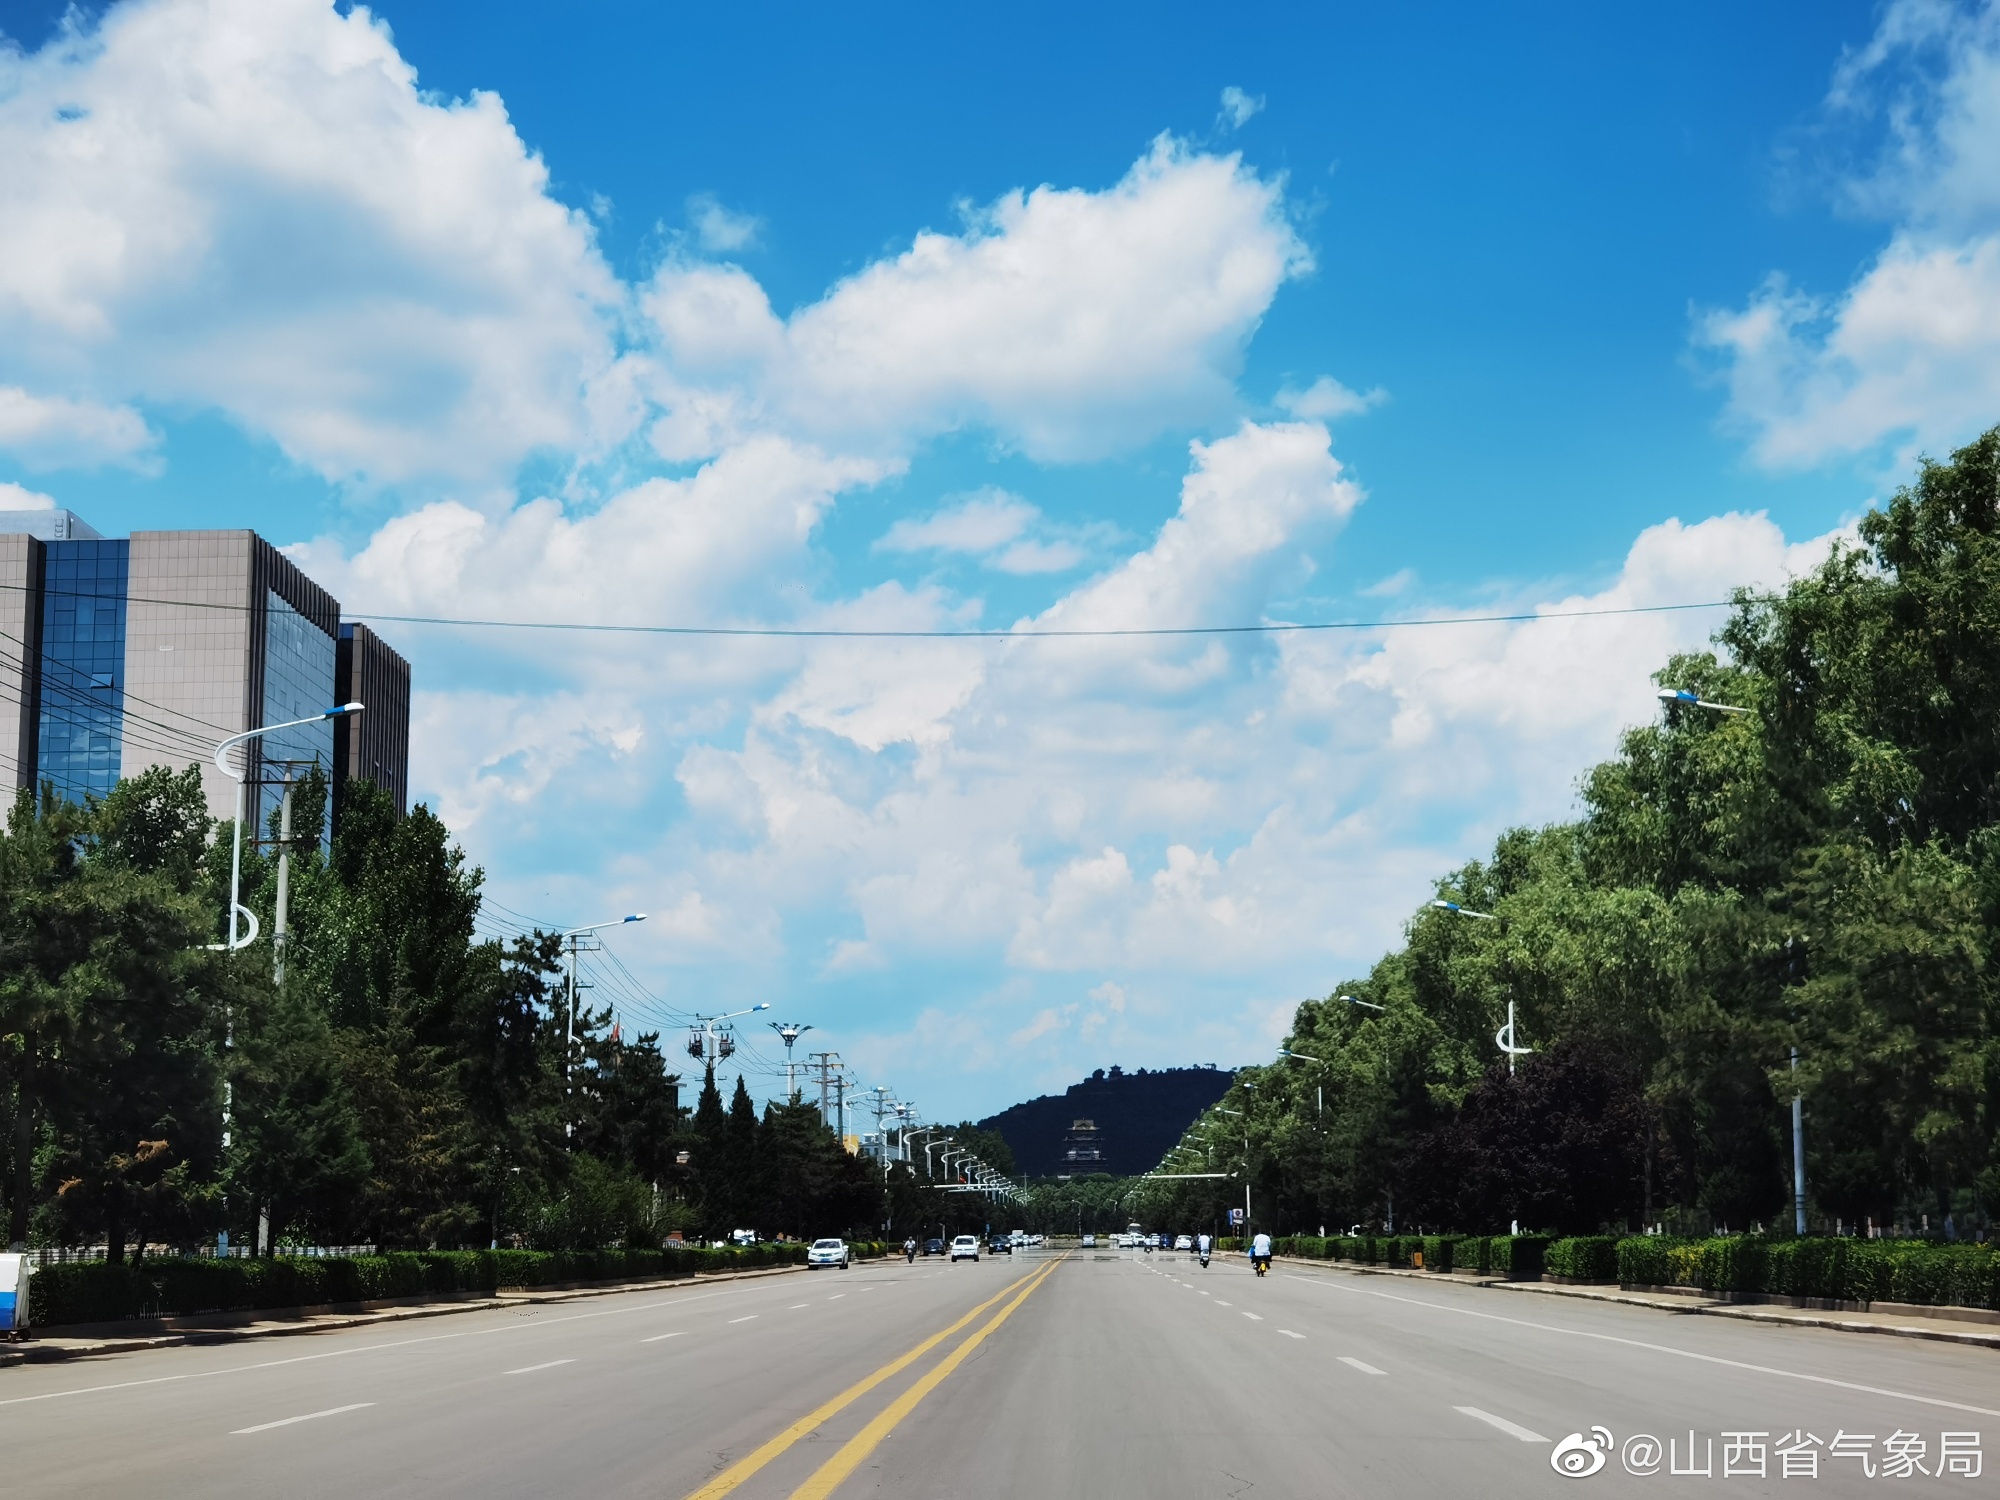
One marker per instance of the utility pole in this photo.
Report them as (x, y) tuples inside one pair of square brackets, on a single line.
[(826, 1063), (280, 928)]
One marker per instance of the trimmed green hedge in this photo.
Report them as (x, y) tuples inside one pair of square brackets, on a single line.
[(94, 1292), (1589, 1257), (1845, 1270), (1518, 1257), (1438, 1250)]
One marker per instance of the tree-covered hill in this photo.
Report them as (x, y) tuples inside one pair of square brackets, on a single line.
[(1137, 1116)]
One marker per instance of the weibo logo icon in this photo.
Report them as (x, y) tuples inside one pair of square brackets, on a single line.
[(1579, 1457)]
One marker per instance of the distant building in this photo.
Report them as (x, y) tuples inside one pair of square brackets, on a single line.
[(1082, 1146), (120, 654)]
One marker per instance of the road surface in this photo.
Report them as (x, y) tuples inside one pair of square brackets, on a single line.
[(1097, 1374)]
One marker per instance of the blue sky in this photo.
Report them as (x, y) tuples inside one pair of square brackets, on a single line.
[(774, 315)]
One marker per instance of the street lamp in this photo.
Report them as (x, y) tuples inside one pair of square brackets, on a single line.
[(1364, 1004), (1504, 1038), (948, 1140), (1319, 1089), (236, 906), (570, 938), (789, 1032), (1692, 700)]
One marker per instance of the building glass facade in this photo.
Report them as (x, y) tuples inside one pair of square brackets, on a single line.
[(299, 680), (82, 677)]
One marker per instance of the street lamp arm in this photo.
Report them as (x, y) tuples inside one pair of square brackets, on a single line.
[(637, 916), (1692, 700), (1364, 1004), (337, 711), (1464, 911)]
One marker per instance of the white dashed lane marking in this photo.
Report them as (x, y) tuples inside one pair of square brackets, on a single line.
[(1290, 1335), (658, 1336), (1512, 1429), (751, 1318), (331, 1411), (1255, 1317), (1361, 1365), (548, 1364)]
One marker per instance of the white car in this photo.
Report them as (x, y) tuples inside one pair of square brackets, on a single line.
[(965, 1247), (1090, 1242), (827, 1253), (1183, 1242)]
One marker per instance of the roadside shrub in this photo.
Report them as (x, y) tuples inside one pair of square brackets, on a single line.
[(1473, 1253), (1519, 1257), (1586, 1257), (1438, 1250), (96, 1292)]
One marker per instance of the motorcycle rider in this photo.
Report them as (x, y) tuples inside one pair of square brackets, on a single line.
[(1260, 1253), (910, 1251), (1202, 1246)]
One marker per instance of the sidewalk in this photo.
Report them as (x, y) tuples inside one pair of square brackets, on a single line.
[(88, 1340), (1897, 1324)]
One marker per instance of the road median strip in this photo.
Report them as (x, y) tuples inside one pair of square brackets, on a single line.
[(750, 1463)]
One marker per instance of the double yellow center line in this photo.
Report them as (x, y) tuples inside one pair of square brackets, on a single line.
[(857, 1448)]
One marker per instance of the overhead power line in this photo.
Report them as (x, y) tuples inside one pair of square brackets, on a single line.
[(773, 632)]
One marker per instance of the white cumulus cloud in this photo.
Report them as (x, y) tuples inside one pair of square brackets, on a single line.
[(251, 206), (1070, 322), (1908, 354)]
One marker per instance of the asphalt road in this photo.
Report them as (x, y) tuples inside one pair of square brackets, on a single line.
[(1096, 1374)]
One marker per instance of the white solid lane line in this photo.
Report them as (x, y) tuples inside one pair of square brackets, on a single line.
[(750, 1319), (331, 1411), (1512, 1429), (658, 1336), (1612, 1338), (1290, 1335), (1361, 1365), (547, 1364), (305, 1359)]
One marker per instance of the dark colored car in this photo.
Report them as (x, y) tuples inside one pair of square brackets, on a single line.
[(933, 1247), (1001, 1245)]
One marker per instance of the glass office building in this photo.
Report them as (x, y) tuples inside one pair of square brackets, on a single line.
[(119, 655)]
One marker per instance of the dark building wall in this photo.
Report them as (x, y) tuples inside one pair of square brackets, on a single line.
[(1138, 1118), (373, 745)]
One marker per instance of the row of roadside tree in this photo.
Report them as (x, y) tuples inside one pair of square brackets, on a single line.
[(1816, 877), (406, 1086)]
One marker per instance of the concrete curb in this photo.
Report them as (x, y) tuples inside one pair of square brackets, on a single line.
[(1683, 1307), (50, 1353)]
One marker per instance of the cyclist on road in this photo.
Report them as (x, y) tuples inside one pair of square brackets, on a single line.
[(1260, 1253)]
